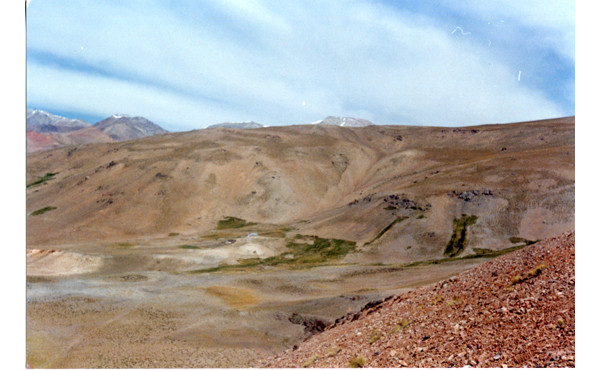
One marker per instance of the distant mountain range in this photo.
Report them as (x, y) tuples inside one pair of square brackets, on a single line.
[(243, 125), (330, 120), (44, 122), (48, 131), (123, 127), (344, 121)]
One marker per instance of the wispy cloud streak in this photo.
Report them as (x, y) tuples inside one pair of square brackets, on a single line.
[(186, 65)]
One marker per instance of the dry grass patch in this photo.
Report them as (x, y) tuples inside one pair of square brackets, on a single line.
[(454, 300), (233, 296), (311, 361), (401, 325), (517, 279), (437, 299), (529, 275), (358, 361), (331, 352), (374, 336), (536, 271)]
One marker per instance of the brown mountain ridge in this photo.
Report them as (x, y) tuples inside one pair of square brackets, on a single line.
[(501, 184)]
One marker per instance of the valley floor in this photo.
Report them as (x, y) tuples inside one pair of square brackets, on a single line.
[(135, 306)]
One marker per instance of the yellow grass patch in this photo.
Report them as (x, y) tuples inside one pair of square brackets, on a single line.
[(234, 296)]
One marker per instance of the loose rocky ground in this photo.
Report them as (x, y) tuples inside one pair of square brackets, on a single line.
[(517, 310)]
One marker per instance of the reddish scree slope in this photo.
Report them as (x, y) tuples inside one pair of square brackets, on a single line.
[(485, 317)]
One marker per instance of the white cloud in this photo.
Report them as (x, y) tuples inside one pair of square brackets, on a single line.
[(240, 60), (555, 20), (63, 88)]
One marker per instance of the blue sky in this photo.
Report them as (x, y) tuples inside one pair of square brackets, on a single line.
[(189, 64)]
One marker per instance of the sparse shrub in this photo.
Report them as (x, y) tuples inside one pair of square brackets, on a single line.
[(374, 336), (560, 321), (437, 299), (536, 271), (311, 361), (42, 210), (331, 352), (173, 234), (419, 217), (358, 361), (401, 325), (517, 279), (530, 274), (454, 300)]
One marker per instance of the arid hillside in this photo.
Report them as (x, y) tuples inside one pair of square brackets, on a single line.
[(402, 193), (515, 311)]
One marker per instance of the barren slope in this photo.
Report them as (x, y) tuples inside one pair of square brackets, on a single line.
[(517, 311)]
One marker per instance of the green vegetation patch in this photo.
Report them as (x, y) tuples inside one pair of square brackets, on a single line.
[(187, 246), (233, 223), (387, 228), (124, 245), (277, 233), (458, 241), (487, 253), (300, 254), (517, 240), (42, 179), (42, 210)]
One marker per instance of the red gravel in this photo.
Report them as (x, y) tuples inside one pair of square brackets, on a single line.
[(485, 317)]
